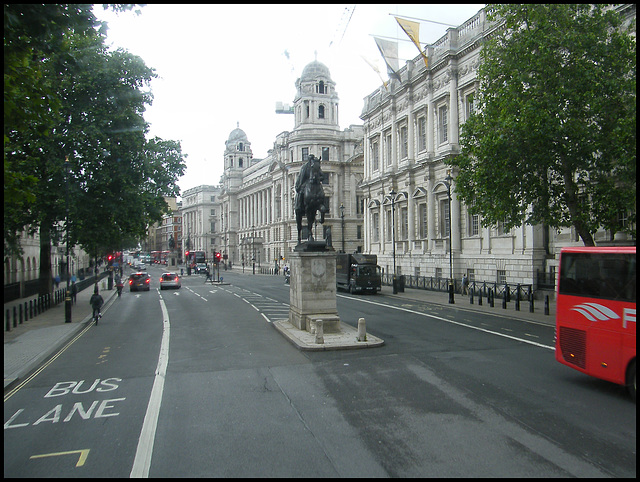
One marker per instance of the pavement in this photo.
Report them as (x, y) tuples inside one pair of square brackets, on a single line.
[(33, 342)]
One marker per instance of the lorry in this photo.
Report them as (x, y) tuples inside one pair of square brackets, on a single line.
[(358, 273)]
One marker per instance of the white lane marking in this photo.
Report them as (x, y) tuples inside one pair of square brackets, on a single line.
[(458, 323), (142, 460)]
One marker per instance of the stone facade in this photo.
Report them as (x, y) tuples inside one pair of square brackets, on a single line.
[(411, 128)]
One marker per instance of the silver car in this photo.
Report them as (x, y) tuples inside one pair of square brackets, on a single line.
[(170, 280)]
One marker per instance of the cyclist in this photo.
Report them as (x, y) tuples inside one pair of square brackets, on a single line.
[(96, 302), (119, 285)]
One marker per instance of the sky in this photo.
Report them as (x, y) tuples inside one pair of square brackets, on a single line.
[(224, 66)]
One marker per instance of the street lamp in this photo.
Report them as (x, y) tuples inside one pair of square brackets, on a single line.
[(253, 249), (342, 217), (393, 236), (447, 181), (67, 298)]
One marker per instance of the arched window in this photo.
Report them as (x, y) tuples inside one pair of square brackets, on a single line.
[(321, 112), (240, 146)]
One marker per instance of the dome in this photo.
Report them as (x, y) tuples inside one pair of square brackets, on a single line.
[(315, 70), (237, 134)]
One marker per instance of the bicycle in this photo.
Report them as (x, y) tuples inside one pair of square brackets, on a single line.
[(96, 315)]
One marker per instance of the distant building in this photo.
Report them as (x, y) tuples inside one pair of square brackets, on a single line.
[(257, 221)]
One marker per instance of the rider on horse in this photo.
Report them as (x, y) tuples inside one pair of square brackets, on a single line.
[(309, 194)]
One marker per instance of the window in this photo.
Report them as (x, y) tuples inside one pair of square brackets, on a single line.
[(443, 123), (389, 233), (474, 224), (375, 156), (240, 146), (321, 112), (404, 142), (325, 154), (321, 88), (422, 134), (422, 221), (359, 205), (470, 106), (305, 154), (375, 232), (404, 223), (240, 162), (444, 218), (389, 146), (501, 276), (359, 231)]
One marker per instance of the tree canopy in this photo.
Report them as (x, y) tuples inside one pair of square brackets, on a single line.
[(553, 136), (74, 127), (75, 130)]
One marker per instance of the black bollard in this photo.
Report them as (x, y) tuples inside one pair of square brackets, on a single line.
[(546, 305), (26, 312), (490, 297), (518, 297), (7, 325), (15, 317), (480, 297), (531, 303), (471, 296)]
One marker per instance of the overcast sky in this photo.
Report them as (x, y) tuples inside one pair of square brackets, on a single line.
[(223, 65)]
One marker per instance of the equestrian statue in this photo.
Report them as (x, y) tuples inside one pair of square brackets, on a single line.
[(309, 196)]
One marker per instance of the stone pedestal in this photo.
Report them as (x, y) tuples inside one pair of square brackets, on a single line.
[(312, 292)]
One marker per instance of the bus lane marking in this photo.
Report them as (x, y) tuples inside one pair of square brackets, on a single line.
[(83, 455), (144, 450)]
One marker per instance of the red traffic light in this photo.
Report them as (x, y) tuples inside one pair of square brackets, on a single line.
[(218, 256)]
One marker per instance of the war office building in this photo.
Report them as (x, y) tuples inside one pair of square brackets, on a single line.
[(257, 219), (410, 129)]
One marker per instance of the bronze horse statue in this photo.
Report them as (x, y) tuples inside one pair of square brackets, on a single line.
[(309, 196)]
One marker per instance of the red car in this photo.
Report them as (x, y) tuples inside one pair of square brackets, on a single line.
[(139, 281)]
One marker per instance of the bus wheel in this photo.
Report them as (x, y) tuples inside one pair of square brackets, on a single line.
[(631, 380)]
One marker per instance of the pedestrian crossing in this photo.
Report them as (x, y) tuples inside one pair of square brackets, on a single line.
[(270, 308)]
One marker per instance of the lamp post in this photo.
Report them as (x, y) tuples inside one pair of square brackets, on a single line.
[(342, 217), (448, 180), (253, 249), (67, 297), (393, 236)]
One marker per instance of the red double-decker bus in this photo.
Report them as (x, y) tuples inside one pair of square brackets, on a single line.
[(596, 313)]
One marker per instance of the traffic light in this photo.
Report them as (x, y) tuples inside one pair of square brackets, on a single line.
[(186, 253), (217, 257)]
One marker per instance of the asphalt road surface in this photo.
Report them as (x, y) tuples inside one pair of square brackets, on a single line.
[(196, 382)]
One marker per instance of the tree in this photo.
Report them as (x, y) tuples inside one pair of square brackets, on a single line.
[(115, 176), (553, 138)]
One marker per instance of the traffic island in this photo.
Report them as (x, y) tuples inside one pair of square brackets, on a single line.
[(345, 339), (313, 322)]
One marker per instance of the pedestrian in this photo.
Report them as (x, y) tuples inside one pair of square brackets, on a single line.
[(465, 285), (206, 271), (74, 291), (57, 280)]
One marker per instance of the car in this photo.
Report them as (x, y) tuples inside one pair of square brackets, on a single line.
[(170, 280), (201, 268), (139, 281)]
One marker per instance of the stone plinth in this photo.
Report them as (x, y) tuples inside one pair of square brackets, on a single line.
[(312, 292)]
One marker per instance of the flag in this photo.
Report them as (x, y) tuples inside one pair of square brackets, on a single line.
[(412, 29), (376, 70), (389, 52)]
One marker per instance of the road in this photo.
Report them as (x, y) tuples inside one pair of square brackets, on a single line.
[(196, 382)]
